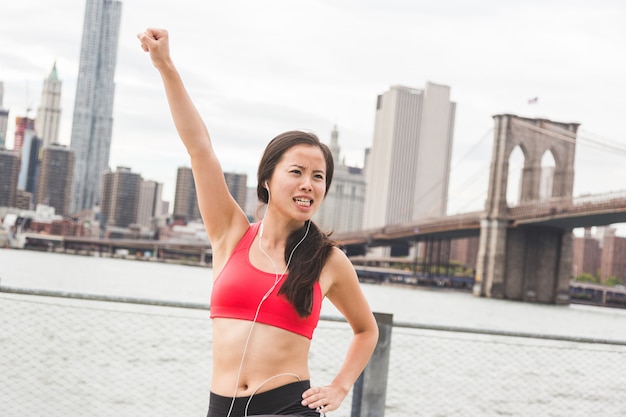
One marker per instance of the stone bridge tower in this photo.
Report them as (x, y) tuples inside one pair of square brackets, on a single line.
[(528, 263)]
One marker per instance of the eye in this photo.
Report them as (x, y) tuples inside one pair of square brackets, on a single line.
[(296, 171), (319, 177)]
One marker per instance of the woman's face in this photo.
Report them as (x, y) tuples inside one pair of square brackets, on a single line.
[(298, 184)]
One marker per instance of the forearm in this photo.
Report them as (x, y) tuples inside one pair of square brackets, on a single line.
[(358, 355), (328, 398)]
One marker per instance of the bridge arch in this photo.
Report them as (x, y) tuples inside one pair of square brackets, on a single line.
[(534, 137), (515, 167), (548, 164), (526, 263)]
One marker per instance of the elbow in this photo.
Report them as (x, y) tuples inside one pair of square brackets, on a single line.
[(367, 337), (374, 337), (370, 335)]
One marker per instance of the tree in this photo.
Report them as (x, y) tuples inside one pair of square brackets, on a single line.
[(587, 277), (612, 281)]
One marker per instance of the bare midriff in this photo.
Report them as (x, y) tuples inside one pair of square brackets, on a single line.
[(273, 357)]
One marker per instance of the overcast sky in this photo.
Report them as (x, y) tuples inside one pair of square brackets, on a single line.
[(257, 68)]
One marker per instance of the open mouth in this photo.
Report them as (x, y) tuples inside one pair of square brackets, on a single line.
[(304, 202)]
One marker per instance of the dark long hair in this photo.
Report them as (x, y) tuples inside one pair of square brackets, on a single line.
[(310, 257)]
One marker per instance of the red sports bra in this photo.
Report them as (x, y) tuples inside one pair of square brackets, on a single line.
[(240, 287)]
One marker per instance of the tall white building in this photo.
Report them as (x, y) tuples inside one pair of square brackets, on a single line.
[(49, 113), (342, 210), (408, 167), (92, 125)]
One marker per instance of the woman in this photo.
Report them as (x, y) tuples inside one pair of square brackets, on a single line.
[(269, 277)]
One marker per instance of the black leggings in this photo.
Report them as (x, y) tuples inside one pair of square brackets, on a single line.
[(282, 401)]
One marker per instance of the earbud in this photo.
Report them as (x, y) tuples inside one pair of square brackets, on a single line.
[(267, 187)]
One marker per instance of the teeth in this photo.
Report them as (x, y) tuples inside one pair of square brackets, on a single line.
[(303, 201)]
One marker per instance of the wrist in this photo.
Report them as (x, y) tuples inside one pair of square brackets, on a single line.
[(164, 65), (343, 387)]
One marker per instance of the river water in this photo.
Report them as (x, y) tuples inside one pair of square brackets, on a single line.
[(153, 280)]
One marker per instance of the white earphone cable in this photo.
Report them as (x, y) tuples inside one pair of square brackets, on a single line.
[(277, 280)]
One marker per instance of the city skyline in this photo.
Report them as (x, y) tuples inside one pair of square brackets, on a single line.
[(316, 65)]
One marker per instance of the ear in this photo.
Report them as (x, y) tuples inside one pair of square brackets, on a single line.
[(267, 187)]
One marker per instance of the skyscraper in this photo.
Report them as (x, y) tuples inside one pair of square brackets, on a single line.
[(55, 178), (237, 185), (9, 170), (27, 150), (93, 107), (186, 200), (29, 168), (22, 125), (613, 261), (409, 164), (4, 119), (586, 254), (49, 112), (150, 202), (120, 197)]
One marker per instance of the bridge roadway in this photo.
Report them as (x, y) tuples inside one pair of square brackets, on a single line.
[(562, 213), (585, 211), (161, 249)]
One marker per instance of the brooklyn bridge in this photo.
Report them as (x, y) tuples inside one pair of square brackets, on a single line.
[(525, 252)]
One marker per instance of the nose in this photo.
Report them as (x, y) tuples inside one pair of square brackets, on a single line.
[(306, 185)]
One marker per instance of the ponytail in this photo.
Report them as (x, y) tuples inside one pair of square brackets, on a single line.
[(308, 260)]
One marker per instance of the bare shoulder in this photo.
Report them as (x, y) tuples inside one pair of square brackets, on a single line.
[(338, 271), (337, 262)]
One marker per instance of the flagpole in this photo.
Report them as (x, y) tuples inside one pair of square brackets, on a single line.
[(534, 101)]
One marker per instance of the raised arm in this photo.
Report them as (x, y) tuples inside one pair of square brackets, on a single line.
[(224, 220)]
